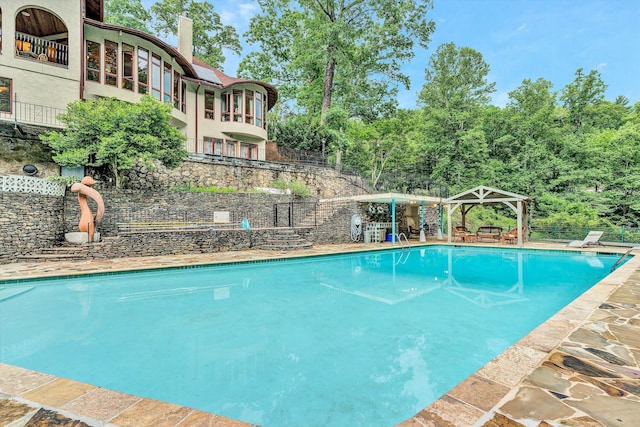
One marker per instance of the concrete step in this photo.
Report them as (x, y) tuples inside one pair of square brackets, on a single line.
[(286, 246)]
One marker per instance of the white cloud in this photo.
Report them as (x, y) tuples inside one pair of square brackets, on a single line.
[(238, 15), (522, 27), (248, 10), (602, 65)]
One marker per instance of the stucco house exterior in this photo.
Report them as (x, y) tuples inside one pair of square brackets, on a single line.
[(55, 52)]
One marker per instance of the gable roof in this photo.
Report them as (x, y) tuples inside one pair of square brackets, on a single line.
[(482, 194)]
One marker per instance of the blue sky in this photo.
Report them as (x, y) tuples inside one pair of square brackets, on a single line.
[(519, 39)]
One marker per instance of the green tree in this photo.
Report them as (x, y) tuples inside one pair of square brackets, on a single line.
[(127, 13), (210, 36), (108, 131), (350, 51), (454, 93), (581, 95)]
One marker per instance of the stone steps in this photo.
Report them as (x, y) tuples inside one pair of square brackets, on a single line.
[(285, 240), (65, 252)]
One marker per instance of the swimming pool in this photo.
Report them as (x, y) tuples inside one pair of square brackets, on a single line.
[(364, 339)]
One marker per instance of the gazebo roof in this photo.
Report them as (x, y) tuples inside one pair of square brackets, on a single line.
[(398, 198), (482, 194)]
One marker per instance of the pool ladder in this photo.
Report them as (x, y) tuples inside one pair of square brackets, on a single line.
[(623, 257), (400, 236), (405, 254)]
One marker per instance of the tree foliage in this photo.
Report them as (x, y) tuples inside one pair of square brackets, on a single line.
[(127, 13), (348, 52), (210, 35), (108, 131)]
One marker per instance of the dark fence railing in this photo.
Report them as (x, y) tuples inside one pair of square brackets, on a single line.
[(311, 158), (26, 113), (290, 214), (616, 234)]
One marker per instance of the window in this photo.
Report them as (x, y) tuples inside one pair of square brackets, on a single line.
[(0, 29), (237, 106), (231, 148), (218, 148), (225, 100), (156, 71), (209, 98), (143, 71), (248, 107), (176, 89), (259, 109), (254, 152), (264, 112), (245, 150), (5, 95), (110, 63), (207, 146), (127, 66), (183, 99), (168, 83), (93, 61)]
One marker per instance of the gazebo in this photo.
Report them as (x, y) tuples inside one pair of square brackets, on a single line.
[(394, 199), (486, 195)]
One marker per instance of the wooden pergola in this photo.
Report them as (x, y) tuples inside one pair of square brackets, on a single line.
[(486, 195)]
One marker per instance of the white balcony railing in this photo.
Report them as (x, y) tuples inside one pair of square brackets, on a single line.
[(38, 49)]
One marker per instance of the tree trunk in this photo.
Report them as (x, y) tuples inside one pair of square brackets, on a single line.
[(329, 73)]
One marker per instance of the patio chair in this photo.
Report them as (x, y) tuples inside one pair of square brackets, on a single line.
[(463, 234), (593, 238), (412, 227), (512, 236)]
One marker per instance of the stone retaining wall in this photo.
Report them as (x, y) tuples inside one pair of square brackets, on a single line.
[(243, 174), (159, 206), (28, 222)]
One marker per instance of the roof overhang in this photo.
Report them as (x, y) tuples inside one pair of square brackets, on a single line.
[(481, 195), (186, 65), (397, 198)]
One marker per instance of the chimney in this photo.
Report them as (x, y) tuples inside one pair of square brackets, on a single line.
[(185, 37)]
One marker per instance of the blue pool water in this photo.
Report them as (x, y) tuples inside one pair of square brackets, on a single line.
[(359, 339)]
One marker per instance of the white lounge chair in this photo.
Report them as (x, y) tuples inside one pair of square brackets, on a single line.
[(593, 238)]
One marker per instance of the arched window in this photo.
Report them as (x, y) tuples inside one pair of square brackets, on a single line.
[(41, 36)]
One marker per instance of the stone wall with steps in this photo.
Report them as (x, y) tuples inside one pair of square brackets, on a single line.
[(28, 222), (173, 242)]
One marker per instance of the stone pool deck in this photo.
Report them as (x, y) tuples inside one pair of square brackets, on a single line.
[(579, 368)]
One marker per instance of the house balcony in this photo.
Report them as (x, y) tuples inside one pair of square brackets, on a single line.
[(40, 49), (32, 114)]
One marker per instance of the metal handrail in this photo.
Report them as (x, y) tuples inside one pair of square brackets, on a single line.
[(399, 236), (622, 258)]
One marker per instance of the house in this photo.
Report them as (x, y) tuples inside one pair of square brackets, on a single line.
[(52, 53)]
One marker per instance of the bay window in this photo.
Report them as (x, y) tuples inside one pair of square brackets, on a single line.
[(237, 106), (156, 76), (248, 107), (110, 63), (209, 98), (225, 114), (168, 83), (143, 71), (93, 61), (259, 109), (127, 66)]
